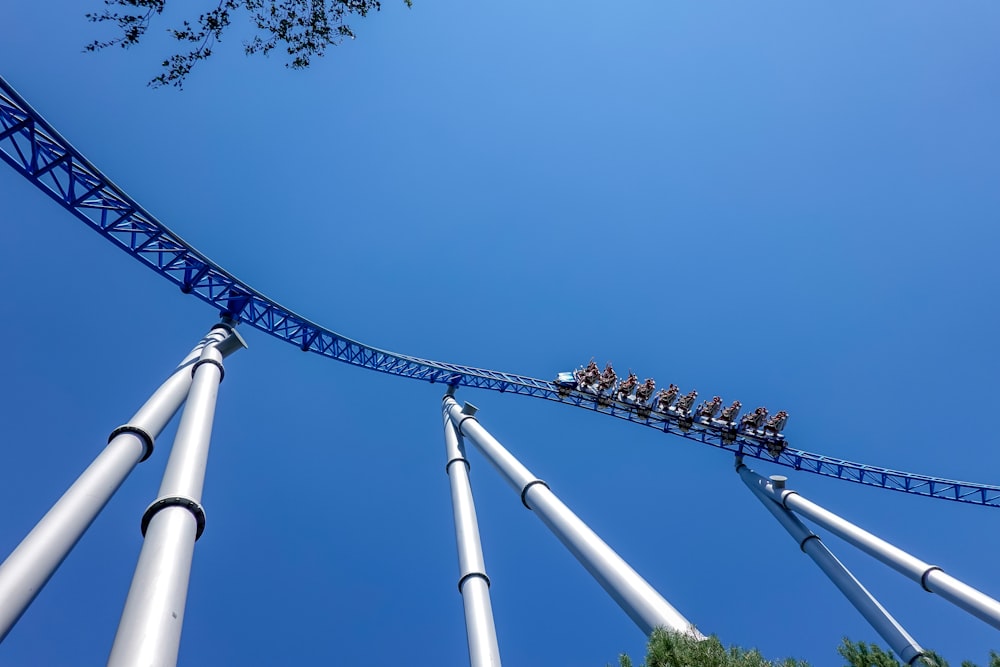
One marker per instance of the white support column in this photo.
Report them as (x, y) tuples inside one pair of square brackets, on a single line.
[(473, 583), (33, 562), (881, 620), (149, 633), (930, 577), (634, 595)]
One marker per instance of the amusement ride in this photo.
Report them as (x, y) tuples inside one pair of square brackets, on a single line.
[(175, 520)]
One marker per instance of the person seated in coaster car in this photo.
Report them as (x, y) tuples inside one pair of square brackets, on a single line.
[(666, 397), (586, 377), (626, 386), (776, 423), (645, 391), (708, 408), (753, 421), (729, 413), (608, 378), (684, 403)]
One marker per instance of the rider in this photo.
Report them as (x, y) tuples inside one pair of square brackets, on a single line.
[(754, 420), (608, 377), (729, 413), (709, 408), (588, 376), (666, 397), (627, 385), (777, 422), (685, 402), (645, 390)]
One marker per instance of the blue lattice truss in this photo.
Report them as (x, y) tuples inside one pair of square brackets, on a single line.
[(33, 148)]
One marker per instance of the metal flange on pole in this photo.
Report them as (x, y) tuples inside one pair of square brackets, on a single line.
[(634, 595), (473, 583), (881, 620), (150, 629), (930, 577), (33, 562)]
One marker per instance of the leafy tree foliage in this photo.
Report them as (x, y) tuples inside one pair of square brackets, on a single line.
[(859, 654), (670, 649), (302, 28)]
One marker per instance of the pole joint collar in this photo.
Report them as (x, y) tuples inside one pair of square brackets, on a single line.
[(462, 421), (217, 364), (473, 575), (147, 439), (447, 466), (923, 577), (174, 501), (785, 493), (810, 536), (524, 491)]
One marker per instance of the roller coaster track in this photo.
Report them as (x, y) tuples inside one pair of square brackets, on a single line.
[(35, 150)]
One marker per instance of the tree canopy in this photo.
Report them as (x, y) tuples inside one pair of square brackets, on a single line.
[(671, 649), (859, 654), (302, 28)]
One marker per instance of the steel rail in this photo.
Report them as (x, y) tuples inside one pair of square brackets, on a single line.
[(35, 150)]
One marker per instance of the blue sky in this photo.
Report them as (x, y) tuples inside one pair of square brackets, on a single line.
[(790, 204)]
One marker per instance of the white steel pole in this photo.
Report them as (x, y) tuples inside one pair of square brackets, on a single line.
[(150, 629), (634, 595), (32, 563), (931, 577), (473, 583), (881, 620)]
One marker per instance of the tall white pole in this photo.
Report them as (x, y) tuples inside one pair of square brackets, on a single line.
[(149, 633), (473, 583), (634, 595), (931, 577), (33, 562), (881, 620)]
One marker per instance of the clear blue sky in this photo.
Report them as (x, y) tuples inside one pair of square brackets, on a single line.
[(793, 204)]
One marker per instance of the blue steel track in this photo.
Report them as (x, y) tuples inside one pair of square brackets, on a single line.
[(35, 150)]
